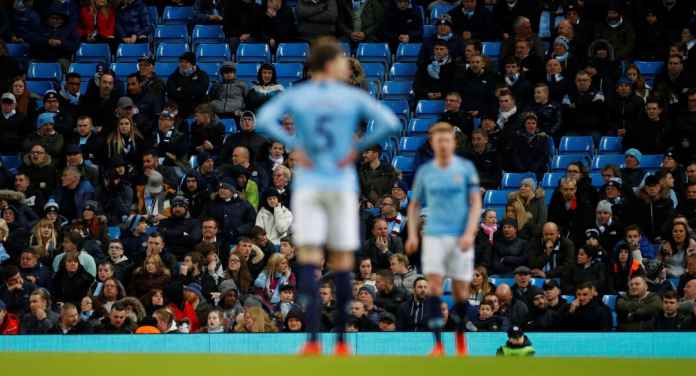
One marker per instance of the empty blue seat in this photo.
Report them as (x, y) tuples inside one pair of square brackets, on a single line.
[(213, 52), (651, 161), (610, 301), (491, 49), (164, 70), (171, 33), (292, 52), (11, 162), (497, 281), (597, 179), (551, 179), (230, 125), (374, 71), (177, 15), (122, 70), (576, 144), (130, 53), (495, 198), (568, 298), (373, 89), (408, 52), (289, 71), (399, 107), (85, 70), (403, 163), (514, 179), (247, 71), (153, 15), (212, 69), (207, 34), (537, 282), (609, 144), (650, 68), (345, 46), (93, 53), (397, 89), (409, 145), (403, 71), (168, 52), (602, 160), (374, 53), (44, 72), (429, 107), (253, 53), (419, 126), (429, 31), (40, 87), (560, 162), (438, 10), (17, 49)]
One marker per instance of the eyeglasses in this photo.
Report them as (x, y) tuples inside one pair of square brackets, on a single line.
[(37, 152)]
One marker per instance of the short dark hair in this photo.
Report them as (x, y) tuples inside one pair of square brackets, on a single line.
[(654, 99), (73, 75), (418, 280), (9, 271), (670, 295), (135, 75), (632, 228), (119, 306), (386, 274), (156, 235), (324, 50), (585, 285), (257, 231)]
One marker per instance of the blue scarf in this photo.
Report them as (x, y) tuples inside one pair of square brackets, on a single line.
[(445, 37), (434, 67), (73, 99)]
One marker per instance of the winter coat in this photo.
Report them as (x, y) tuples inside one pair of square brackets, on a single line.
[(10, 325), (14, 130), (536, 207), (202, 9), (390, 301), (187, 92), (559, 261), (240, 17), (481, 24), (213, 132), (43, 176), (412, 316), (584, 112), (86, 262), (634, 313), (280, 28), (105, 26), (406, 280), (71, 287), (259, 94), (25, 21), (133, 19), (378, 182), (380, 260), (235, 217), (276, 223), (488, 167), (143, 282), (622, 38), (67, 34), (408, 21), (31, 325), (509, 254), (549, 117), (83, 193), (592, 317), (650, 215), (116, 201), (595, 273), (52, 143), (251, 140), (228, 96), (530, 154), (425, 83), (180, 234), (316, 18)]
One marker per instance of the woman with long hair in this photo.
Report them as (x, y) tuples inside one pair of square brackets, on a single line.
[(265, 87), (125, 141), (640, 85), (98, 23), (675, 249), (532, 199), (479, 286), (45, 239), (255, 320), (72, 281), (25, 102), (151, 275), (238, 272), (276, 274)]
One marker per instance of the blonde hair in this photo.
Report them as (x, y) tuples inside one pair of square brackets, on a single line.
[(41, 244), (440, 127), (157, 260), (115, 142), (262, 323), (273, 265), (4, 230)]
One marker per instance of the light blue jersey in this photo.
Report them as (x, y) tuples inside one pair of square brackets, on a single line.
[(446, 194), (326, 115)]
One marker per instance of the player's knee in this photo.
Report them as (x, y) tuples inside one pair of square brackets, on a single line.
[(310, 255), (341, 261)]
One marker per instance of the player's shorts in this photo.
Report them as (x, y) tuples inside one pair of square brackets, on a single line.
[(328, 219), (442, 256)]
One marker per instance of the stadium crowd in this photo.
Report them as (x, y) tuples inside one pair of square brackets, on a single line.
[(110, 226)]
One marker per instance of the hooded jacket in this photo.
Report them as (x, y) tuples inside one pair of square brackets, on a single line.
[(187, 91), (276, 221), (316, 18), (71, 287), (42, 176), (66, 33), (228, 96), (235, 216), (132, 19)]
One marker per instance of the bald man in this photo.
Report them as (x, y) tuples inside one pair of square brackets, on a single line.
[(241, 156), (514, 310), (550, 255)]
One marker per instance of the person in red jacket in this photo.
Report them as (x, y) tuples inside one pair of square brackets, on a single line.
[(98, 23), (9, 323)]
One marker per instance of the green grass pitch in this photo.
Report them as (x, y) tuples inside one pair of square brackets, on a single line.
[(205, 364)]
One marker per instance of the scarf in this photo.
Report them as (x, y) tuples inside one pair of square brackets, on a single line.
[(615, 24), (276, 162), (562, 58), (489, 230), (572, 204), (72, 99), (504, 116), (9, 114), (511, 80), (445, 37), (187, 72), (434, 67), (554, 77)]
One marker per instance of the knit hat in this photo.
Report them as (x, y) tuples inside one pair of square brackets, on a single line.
[(124, 102), (615, 182), (635, 153), (91, 205), (188, 56), (387, 317), (624, 81), (603, 206), (369, 289), (154, 182), (445, 19), (227, 286), (180, 201), (51, 206), (72, 149), (592, 233), (563, 41), (532, 183), (203, 156), (50, 94), (9, 97), (401, 185), (509, 221), (228, 183), (45, 118), (195, 288), (651, 181)]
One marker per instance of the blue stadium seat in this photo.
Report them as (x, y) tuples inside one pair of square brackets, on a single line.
[(374, 71), (397, 89), (213, 52), (429, 31), (513, 180), (253, 53), (403, 71), (560, 162), (408, 52), (495, 198), (429, 107), (491, 49), (403, 163), (597, 179), (400, 108), (449, 299), (44, 72), (212, 69), (114, 232), (292, 52), (602, 160), (537, 282), (230, 125), (247, 71), (177, 15), (650, 68), (11, 162), (93, 53), (168, 52), (373, 89), (501, 280), (130, 53), (207, 34), (164, 70), (419, 126), (40, 87), (610, 301), (85, 70), (438, 10), (289, 71), (551, 179), (609, 144), (576, 144), (153, 15), (193, 161), (83, 87), (447, 285), (122, 70), (651, 161), (345, 46), (374, 53), (568, 298), (17, 49), (171, 33), (409, 145)]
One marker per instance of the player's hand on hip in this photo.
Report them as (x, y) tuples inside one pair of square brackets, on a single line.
[(466, 241), (411, 245), (350, 158), (302, 159)]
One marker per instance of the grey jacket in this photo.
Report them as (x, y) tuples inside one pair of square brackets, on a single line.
[(316, 18), (228, 96)]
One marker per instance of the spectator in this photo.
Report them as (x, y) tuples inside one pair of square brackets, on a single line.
[(132, 22), (587, 313), (640, 86), (276, 23), (376, 178), (433, 79), (687, 207), (555, 79), (149, 81), (56, 39), (650, 125), (125, 143), (170, 142), (683, 130), (381, 245), (72, 281), (208, 12), (485, 159), (365, 271), (74, 193), (227, 96), (675, 249), (151, 274), (412, 316), (273, 217), (588, 268), (247, 137), (396, 222), (512, 310), (618, 31), (389, 297), (26, 20), (39, 318), (625, 108), (98, 23), (118, 321), (264, 88), (551, 256), (403, 25), (14, 125), (471, 20), (147, 102), (477, 87), (180, 231), (486, 320), (688, 301), (530, 150), (554, 301), (25, 103), (404, 274), (276, 274), (101, 104), (33, 270), (651, 209), (570, 210), (9, 323), (584, 109), (255, 320), (454, 115), (638, 307), (239, 21), (509, 251), (669, 318), (46, 135), (523, 289), (443, 32), (520, 30), (235, 216), (622, 269), (316, 18), (188, 85)]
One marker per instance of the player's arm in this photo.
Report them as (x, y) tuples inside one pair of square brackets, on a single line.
[(267, 120), (467, 239), (386, 122), (414, 208)]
